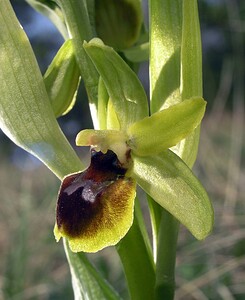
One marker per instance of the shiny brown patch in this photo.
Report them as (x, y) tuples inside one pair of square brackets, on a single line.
[(82, 197)]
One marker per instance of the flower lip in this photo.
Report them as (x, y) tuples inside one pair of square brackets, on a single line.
[(80, 199)]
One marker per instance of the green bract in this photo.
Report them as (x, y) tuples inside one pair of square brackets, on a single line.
[(62, 80)]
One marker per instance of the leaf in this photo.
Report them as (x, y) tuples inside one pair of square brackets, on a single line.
[(191, 52), (165, 42), (172, 184), (191, 73), (87, 282), (62, 80), (166, 128), (26, 115), (124, 88)]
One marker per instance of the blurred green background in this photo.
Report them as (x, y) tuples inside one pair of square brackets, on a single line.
[(33, 266)]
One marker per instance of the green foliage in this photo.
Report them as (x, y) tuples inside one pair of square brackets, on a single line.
[(89, 214)]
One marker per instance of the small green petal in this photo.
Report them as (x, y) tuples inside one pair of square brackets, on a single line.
[(104, 140), (168, 180), (166, 128), (95, 207)]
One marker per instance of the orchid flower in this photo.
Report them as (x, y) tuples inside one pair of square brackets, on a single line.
[(95, 207)]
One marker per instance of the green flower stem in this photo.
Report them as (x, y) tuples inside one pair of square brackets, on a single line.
[(191, 86), (77, 19), (166, 255), (165, 42), (166, 24), (137, 261)]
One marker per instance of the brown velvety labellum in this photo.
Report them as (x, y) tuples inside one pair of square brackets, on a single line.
[(80, 197)]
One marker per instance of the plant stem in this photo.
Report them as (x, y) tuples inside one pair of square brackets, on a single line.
[(165, 42), (166, 255), (137, 261)]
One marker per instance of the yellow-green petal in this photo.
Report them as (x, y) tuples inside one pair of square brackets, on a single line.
[(165, 128)]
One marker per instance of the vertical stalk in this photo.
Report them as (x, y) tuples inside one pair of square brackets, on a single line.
[(175, 75), (165, 42), (137, 261), (166, 256)]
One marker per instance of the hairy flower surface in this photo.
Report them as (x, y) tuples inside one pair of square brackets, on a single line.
[(95, 207)]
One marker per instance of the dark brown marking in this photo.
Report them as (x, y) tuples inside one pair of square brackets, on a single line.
[(80, 195)]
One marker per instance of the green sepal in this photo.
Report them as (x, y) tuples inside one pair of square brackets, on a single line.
[(168, 180), (166, 128), (123, 86), (118, 23), (87, 282), (26, 115), (62, 80), (51, 10)]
